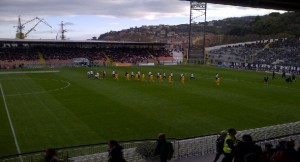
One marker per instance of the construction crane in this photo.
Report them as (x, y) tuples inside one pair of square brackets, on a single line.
[(63, 30), (20, 27)]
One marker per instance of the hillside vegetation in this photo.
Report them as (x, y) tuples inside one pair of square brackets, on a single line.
[(229, 30)]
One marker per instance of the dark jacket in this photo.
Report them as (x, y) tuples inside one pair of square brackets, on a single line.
[(247, 150), (220, 144), (116, 154), (286, 155), (164, 149)]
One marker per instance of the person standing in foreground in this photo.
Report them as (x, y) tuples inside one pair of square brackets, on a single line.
[(220, 144), (247, 150), (229, 144), (115, 152), (51, 156), (164, 148)]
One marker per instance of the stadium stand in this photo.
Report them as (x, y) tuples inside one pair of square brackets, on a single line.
[(278, 55), (15, 57)]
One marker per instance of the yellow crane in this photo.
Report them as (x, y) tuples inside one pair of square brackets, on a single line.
[(20, 27)]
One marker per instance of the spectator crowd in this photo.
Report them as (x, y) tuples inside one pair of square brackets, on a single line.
[(281, 54), (246, 150), (12, 57)]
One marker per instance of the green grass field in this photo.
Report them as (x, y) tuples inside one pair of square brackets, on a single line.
[(67, 109)]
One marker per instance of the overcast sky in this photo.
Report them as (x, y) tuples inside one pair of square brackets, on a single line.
[(88, 18)]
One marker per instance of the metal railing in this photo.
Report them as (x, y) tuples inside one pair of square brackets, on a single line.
[(183, 148)]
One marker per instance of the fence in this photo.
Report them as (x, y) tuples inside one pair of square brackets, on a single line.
[(184, 148)]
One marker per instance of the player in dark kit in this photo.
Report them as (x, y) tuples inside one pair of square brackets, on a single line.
[(266, 78), (273, 75)]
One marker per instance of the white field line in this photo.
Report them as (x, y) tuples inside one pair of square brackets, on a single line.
[(10, 122), (40, 92), (30, 72)]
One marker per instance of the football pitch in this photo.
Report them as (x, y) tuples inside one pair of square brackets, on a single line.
[(64, 108)]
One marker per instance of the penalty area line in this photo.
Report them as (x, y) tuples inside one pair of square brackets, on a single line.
[(10, 122)]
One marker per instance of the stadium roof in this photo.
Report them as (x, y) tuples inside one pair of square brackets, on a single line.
[(83, 42), (287, 5)]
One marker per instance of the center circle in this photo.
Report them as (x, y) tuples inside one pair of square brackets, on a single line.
[(66, 84)]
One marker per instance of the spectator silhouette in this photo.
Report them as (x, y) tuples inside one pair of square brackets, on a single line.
[(220, 144), (115, 152), (286, 153), (267, 153), (247, 150), (164, 148), (51, 155)]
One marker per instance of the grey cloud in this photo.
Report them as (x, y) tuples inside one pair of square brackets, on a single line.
[(116, 8), (135, 9)]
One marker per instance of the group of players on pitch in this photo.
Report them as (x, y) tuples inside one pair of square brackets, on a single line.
[(150, 76), (140, 76), (170, 78), (289, 79)]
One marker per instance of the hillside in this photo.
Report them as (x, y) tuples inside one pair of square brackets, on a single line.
[(229, 30)]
